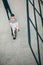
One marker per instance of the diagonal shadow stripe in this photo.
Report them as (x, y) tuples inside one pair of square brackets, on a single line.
[(35, 8), (7, 8), (29, 35), (40, 14), (37, 33), (35, 29), (40, 11), (41, 2)]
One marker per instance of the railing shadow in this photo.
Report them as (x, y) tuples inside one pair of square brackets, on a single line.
[(40, 11), (7, 8), (40, 14), (41, 2), (38, 61)]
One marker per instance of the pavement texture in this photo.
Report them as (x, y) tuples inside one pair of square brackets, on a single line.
[(18, 52)]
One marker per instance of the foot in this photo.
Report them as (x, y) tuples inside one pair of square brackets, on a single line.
[(14, 38)]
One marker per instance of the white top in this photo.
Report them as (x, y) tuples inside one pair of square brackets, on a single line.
[(13, 20), (14, 24)]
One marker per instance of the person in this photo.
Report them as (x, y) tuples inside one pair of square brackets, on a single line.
[(7, 8), (14, 26)]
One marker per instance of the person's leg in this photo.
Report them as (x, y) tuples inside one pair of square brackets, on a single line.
[(11, 31), (14, 31)]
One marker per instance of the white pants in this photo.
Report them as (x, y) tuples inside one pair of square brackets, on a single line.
[(13, 26)]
